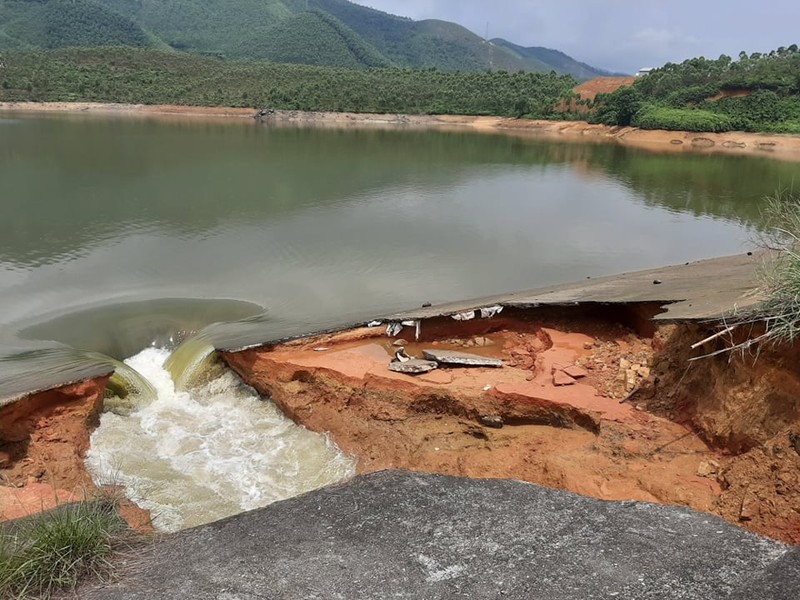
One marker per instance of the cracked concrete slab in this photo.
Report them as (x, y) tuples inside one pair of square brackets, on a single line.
[(404, 535)]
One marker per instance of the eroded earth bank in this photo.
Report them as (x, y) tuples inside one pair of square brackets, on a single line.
[(43, 442), (596, 401), (591, 399)]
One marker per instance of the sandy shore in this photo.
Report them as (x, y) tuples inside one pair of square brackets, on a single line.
[(784, 147)]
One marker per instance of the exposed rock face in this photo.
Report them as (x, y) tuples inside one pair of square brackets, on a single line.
[(412, 536)]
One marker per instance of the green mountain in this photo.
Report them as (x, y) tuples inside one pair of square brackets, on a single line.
[(26, 24), (538, 58), (321, 32)]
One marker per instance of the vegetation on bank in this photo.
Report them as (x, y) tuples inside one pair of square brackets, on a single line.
[(46, 553), (759, 92), (780, 311), (150, 76)]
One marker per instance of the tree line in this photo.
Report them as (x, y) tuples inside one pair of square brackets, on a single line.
[(149, 76), (756, 92)]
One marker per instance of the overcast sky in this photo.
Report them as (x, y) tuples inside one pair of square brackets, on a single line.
[(621, 35)]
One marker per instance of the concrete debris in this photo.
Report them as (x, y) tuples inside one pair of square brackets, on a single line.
[(414, 366), (461, 359), (464, 316), (491, 311), (393, 329)]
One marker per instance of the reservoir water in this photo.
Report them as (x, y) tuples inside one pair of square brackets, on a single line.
[(126, 239)]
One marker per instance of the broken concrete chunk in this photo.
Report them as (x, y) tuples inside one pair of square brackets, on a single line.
[(576, 372), (413, 366), (461, 359), (491, 311), (465, 316)]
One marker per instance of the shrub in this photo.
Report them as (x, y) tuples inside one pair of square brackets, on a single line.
[(682, 119)]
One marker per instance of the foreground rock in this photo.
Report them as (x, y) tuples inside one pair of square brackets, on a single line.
[(402, 535)]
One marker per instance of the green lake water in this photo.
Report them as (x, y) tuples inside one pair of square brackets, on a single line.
[(118, 235)]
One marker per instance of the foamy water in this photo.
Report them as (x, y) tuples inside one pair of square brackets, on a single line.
[(217, 450)]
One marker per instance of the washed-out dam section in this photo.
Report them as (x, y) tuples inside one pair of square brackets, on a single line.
[(161, 241)]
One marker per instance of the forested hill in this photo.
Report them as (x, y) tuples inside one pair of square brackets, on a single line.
[(318, 32), (539, 58), (756, 92)]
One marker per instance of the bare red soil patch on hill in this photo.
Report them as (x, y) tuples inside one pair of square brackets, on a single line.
[(589, 90)]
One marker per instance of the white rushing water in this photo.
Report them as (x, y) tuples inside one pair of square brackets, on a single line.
[(217, 450)]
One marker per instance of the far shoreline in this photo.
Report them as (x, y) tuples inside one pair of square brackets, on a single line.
[(779, 146)]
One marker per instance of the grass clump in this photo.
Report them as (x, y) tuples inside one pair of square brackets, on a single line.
[(780, 310), (44, 553)]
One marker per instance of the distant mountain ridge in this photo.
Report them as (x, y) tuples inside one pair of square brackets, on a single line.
[(318, 32), (555, 59)]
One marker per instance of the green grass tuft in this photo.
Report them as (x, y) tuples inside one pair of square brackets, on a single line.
[(45, 553), (780, 283)]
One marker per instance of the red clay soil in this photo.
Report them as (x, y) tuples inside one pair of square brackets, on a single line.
[(588, 91), (43, 441), (532, 421)]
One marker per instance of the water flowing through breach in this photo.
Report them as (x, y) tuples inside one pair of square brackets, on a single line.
[(192, 457)]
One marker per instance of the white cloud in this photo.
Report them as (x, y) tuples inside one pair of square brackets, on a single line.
[(621, 35)]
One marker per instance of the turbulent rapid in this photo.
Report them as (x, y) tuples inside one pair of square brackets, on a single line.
[(192, 457)]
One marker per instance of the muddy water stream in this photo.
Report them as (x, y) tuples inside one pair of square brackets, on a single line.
[(122, 236)]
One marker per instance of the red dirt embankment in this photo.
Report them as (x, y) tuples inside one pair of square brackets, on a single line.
[(553, 414), (43, 441)]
